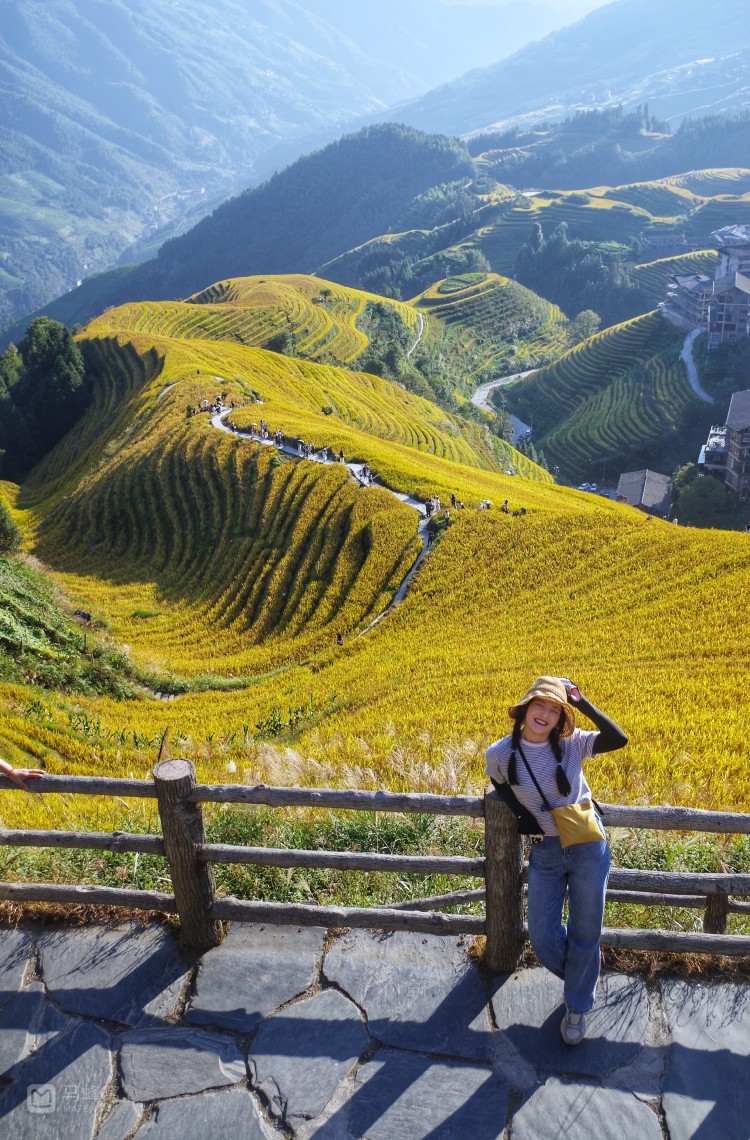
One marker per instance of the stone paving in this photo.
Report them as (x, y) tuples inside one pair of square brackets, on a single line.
[(108, 1033)]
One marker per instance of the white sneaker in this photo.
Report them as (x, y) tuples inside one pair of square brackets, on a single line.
[(573, 1028)]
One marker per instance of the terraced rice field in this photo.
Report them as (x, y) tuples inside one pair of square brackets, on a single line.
[(506, 324), (321, 317), (653, 276), (623, 386), (213, 559)]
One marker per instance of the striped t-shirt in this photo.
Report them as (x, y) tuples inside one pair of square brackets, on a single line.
[(575, 749)]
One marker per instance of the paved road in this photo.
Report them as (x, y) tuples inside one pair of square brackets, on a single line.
[(480, 400), (109, 1033), (686, 356)]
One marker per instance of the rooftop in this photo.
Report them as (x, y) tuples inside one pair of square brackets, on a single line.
[(733, 237), (738, 416), (645, 488)]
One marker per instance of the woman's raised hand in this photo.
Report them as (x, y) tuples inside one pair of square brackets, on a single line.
[(574, 693)]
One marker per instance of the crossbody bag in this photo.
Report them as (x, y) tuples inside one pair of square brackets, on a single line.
[(576, 823)]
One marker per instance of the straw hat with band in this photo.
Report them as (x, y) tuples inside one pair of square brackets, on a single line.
[(548, 689)]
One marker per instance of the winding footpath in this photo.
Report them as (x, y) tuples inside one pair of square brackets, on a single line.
[(420, 334), (218, 420), (295, 1033)]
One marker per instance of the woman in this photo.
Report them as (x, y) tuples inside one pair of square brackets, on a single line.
[(537, 769), (19, 776)]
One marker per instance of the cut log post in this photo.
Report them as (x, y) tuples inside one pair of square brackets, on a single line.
[(182, 828), (503, 870), (715, 916)]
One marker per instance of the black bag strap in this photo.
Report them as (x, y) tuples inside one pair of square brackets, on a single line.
[(545, 801), (526, 821)]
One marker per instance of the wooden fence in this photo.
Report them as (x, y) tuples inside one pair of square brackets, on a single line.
[(201, 912)]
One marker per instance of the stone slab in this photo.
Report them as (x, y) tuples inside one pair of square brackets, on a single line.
[(231, 1115), (256, 970), (418, 991), (121, 1121), (707, 1082), (58, 1091), (129, 974), (26, 1024), (170, 1061), (528, 1008), (405, 1095), (15, 954), (580, 1111), (301, 1054)]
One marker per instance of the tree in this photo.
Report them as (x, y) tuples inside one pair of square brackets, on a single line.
[(682, 478), (704, 502), (42, 394), (584, 325)]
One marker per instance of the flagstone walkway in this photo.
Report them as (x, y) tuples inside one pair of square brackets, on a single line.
[(110, 1033)]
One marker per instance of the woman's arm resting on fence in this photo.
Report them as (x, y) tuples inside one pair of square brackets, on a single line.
[(19, 776), (611, 737)]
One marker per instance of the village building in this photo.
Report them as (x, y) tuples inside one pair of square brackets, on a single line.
[(720, 304), (689, 297), (713, 455), (647, 490), (726, 452), (738, 441)]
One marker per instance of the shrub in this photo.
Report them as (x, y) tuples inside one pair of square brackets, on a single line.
[(10, 535)]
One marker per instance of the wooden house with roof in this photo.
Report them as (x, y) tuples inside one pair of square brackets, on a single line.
[(648, 490)]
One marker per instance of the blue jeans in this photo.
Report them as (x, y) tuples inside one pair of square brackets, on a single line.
[(572, 952)]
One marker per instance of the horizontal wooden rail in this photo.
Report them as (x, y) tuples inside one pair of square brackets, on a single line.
[(676, 941), (642, 898), (678, 882), (691, 902), (84, 840), (342, 860), (335, 800), (439, 902), (367, 918), (675, 819), (85, 895), (88, 786), (614, 815)]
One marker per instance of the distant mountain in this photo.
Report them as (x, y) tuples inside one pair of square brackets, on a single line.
[(682, 57), (322, 205), (392, 210), (125, 121), (611, 148)]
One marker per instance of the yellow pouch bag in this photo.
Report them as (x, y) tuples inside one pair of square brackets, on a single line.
[(577, 823)]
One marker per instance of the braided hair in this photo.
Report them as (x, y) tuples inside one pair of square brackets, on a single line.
[(563, 783)]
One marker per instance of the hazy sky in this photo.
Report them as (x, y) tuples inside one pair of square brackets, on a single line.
[(574, 9)]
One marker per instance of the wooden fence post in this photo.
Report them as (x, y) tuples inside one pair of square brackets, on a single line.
[(182, 828), (504, 869), (715, 915)]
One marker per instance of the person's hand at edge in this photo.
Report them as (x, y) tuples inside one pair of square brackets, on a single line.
[(19, 776)]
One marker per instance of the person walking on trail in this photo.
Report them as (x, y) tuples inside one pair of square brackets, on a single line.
[(19, 776), (538, 771)]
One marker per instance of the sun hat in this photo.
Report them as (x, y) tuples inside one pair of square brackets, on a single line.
[(548, 689)]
